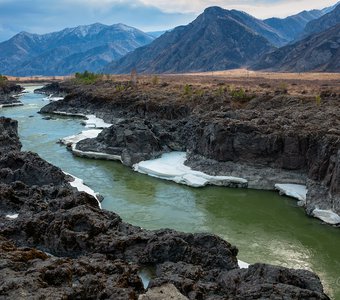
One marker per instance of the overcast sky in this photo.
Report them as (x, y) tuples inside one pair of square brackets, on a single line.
[(42, 16)]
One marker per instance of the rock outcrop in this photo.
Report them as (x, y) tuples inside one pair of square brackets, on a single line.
[(8, 93), (264, 138), (56, 243)]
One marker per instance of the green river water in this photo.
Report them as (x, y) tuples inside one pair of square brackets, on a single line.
[(264, 226)]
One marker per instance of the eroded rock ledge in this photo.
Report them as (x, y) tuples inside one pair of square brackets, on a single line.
[(266, 137), (56, 243)]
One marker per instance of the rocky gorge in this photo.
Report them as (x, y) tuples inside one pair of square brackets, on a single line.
[(264, 134), (55, 242)]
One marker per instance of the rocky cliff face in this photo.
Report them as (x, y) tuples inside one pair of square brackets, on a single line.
[(56, 241), (264, 138)]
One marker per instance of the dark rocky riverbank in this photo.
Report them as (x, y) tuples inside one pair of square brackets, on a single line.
[(264, 135), (8, 94), (56, 243)]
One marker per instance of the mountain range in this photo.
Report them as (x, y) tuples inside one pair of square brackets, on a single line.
[(218, 39), (215, 40), (68, 51), (222, 39)]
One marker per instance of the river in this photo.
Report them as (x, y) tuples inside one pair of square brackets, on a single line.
[(264, 226)]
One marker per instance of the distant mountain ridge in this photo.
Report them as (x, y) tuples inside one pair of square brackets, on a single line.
[(218, 39), (318, 52), (292, 27), (323, 23), (91, 46)]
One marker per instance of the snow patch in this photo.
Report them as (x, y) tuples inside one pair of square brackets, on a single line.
[(243, 265), (94, 122), (296, 191), (81, 187), (328, 216), (170, 166), (14, 216)]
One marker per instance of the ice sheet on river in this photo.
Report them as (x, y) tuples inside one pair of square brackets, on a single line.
[(296, 191), (328, 216), (170, 166), (86, 134), (94, 122)]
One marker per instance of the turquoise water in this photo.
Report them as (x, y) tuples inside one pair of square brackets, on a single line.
[(263, 225)]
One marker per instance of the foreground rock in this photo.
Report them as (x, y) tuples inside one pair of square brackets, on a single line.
[(267, 137), (56, 241)]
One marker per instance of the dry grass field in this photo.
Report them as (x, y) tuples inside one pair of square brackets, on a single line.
[(255, 82)]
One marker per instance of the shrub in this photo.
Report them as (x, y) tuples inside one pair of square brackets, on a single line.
[(200, 93), (238, 93), (155, 80), (120, 88), (87, 77), (282, 88), (187, 90), (220, 92), (318, 100), (3, 78)]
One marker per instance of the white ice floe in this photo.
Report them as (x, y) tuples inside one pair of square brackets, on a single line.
[(14, 216), (53, 99), (11, 104), (31, 88), (328, 216), (242, 264), (86, 134), (99, 125), (170, 166), (94, 122), (95, 155), (81, 187), (296, 191), (64, 113)]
